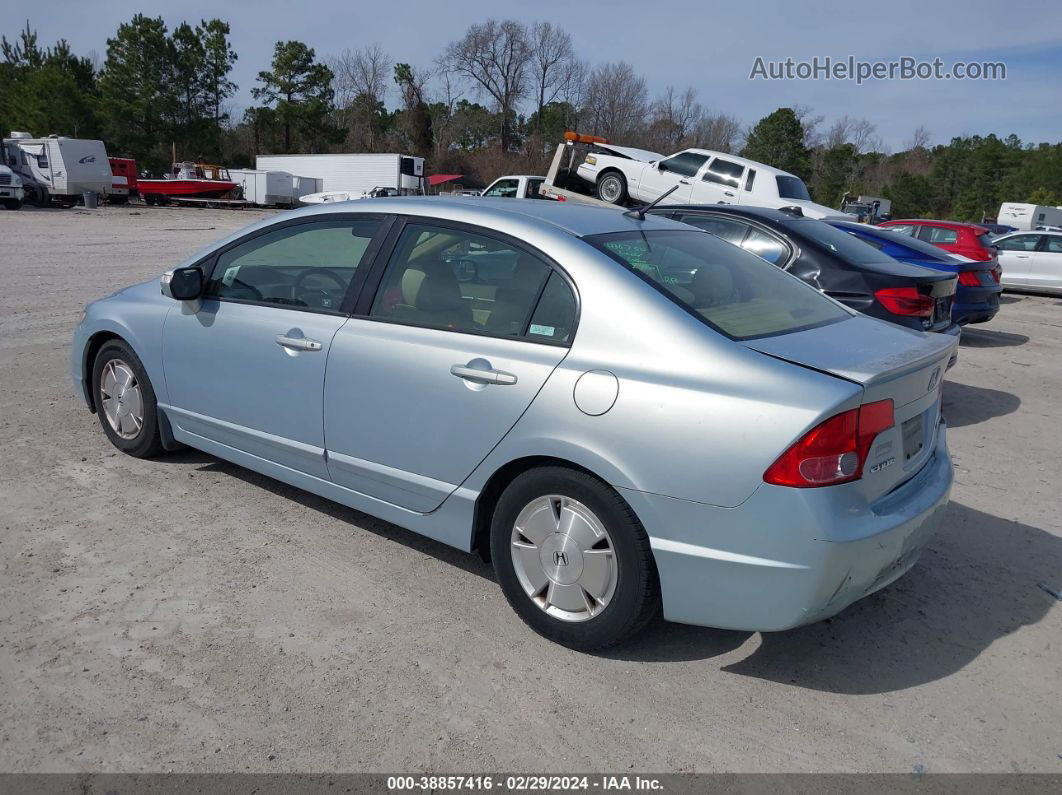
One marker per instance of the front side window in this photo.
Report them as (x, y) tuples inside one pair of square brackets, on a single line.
[(730, 231), (1018, 243), (1054, 245), (938, 234), (302, 266), (792, 188), (903, 229), (505, 189), (462, 281), (731, 290), (686, 164), (724, 172)]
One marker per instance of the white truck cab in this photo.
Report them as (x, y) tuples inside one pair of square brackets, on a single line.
[(12, 193), (515, 186)]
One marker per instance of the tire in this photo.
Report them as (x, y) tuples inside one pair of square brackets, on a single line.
[(112, 199), (612, 187), (40, 196), (114, 364), (596, 605)]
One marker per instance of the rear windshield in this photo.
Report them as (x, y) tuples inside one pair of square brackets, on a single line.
[(793, 188), (850, 249), (731, 290)]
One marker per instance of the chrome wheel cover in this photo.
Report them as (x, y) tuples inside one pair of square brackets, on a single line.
[(564, 558), (121, 400), (611, 188)]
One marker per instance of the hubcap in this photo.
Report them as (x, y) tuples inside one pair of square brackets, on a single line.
[(564, 558), (121, 399), (610, 189)]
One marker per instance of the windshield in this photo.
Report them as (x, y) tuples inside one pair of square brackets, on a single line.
[(793, 188), (731, 290), (850, 249)]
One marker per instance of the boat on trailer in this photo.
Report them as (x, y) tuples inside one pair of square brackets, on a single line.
[(189, 180)]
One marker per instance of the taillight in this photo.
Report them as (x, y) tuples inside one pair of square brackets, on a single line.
[(997, 273), (969, 278), (834, 451), (905, 301)]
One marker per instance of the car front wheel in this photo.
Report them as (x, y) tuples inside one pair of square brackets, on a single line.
[(612, 188), (572, 559), (125, 401)]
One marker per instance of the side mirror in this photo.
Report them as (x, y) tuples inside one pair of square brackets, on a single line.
[(183, 284), (660, 166)]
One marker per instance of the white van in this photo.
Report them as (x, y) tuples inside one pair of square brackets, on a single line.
[(58, 169)]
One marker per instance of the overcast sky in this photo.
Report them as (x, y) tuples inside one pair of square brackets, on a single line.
[(710, 46)]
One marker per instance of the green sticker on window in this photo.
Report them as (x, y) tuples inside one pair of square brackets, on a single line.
[(543, 331)]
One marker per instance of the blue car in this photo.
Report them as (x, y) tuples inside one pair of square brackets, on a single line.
[(978, 289)]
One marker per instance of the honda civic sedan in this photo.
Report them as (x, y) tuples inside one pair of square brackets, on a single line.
[(739, 451)]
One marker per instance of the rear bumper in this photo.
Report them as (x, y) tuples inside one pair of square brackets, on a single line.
[(788, 557), (976, 304)]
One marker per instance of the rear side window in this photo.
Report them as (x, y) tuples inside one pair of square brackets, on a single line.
[(685, 163), (750, 179), (766, 247), (460, 280), (724, 172), (938, 234), (554, 317), (731, 290), (1018, 243), (792, 188)]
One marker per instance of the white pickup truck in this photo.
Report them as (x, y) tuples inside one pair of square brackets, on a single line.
[(621, 174), (515, 186)]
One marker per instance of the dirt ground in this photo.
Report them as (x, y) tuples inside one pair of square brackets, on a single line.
[(185, 614)]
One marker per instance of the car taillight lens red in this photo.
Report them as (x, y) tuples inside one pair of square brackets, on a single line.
[(834, 451), (905, 301), (969, 278)]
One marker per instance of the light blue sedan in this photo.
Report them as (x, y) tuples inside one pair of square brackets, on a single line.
[(521, 379)]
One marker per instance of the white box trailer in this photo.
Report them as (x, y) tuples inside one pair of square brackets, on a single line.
[(304, 186), (350, 172), (58, 168), (265, 188), (1028, 217)]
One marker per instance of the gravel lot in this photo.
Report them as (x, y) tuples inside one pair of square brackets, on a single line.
[(185, 614)]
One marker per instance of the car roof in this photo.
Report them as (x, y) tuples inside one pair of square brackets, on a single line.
[(895, 238), (1030, 232), (933, 222), (744, 161), (574, 218), (750, 211)]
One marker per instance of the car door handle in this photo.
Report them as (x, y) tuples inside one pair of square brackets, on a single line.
[(297, 343), (684, 181), (1021, 256), (728, 193), (474, 374)]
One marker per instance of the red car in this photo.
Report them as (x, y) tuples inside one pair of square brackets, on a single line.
[(968, 240)]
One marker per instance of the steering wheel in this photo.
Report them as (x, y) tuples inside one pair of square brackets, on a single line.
[(303, 275)]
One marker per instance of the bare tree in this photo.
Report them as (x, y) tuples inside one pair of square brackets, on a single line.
[(674, 116), (860, 133), (616, 101), (810, 123), (553, 64), (495, 56), (361, 85), (718, 132)]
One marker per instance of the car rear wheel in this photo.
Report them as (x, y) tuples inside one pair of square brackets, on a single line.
[(125, 401), (612, 188), (572, 559)]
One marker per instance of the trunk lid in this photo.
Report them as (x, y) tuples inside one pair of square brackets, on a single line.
[(890, 362)]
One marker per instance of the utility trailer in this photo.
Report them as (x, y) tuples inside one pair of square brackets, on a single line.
[(265, 188), (353, 173)]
